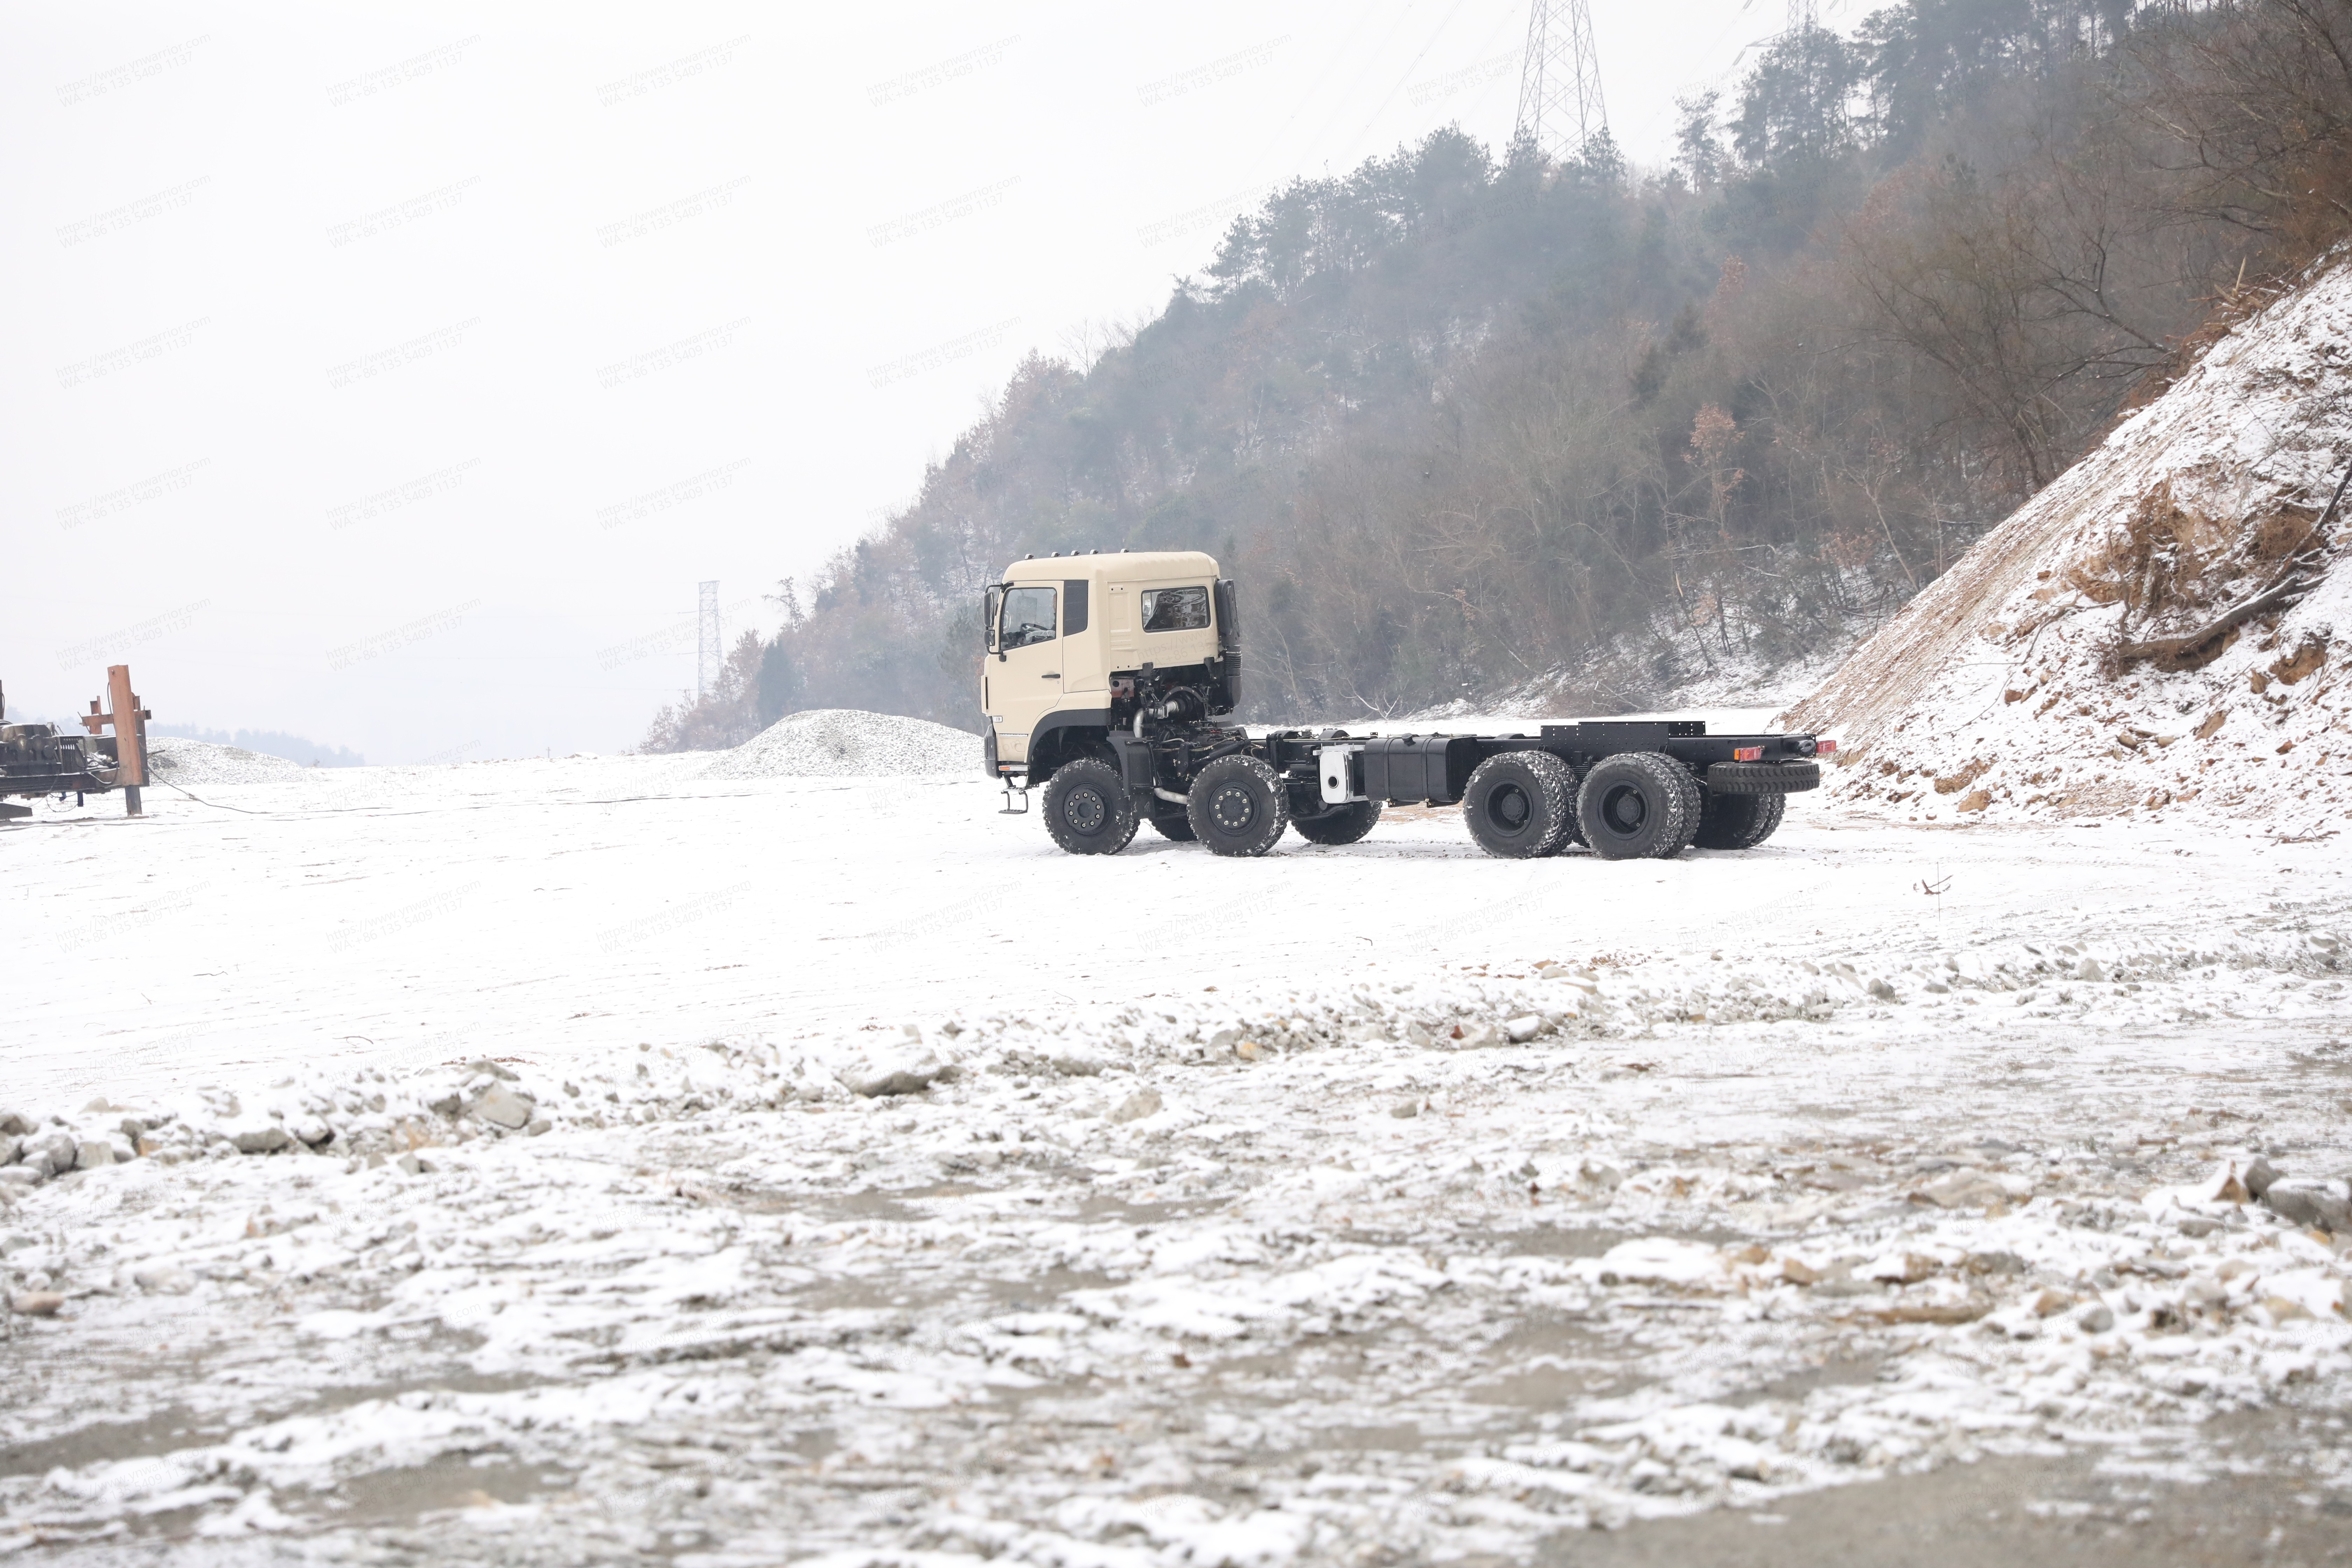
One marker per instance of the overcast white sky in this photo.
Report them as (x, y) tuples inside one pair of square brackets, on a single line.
[(391, 375)]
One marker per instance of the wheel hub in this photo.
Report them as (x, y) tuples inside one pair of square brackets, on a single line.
[(1624, 810), (1232, 808), (1085, 810), (1508, 808)]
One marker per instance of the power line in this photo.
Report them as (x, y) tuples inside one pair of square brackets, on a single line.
[(1560, 84)]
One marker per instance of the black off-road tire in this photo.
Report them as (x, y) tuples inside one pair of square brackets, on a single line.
[(1763, 778), (1637, 806), (1575, 833), (1341, 824), (1694, 807), (1172, 822), (1239, 806), (1739, 821), (1519, 802), (1088, 809)]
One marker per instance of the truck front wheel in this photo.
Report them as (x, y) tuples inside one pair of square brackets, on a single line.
[(1637, 806), (1238, 806), (1517, 805), (1088, 809), (1340, 824)]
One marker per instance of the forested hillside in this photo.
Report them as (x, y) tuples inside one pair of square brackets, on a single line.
[(1464, 421)]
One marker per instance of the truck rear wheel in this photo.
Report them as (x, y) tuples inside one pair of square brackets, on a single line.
[(1239, 806), (1517, 805), (1636, 806), (1739, 821), (1171, 823), (1694, 807), (1088, 809), (1574, 832), (1341, 824)]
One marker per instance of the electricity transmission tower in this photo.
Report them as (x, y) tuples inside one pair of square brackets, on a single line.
[(1803, 15), (1560, 84), (706, 661)]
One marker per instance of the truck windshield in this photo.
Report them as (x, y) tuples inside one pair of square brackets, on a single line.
[(1028, 616), (1175, 609)]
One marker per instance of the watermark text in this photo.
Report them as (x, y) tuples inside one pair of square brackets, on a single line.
[(149, 489), (421, 489), (165, 342), (685, 68), (955, 209), (401, 637), (400, 214), (400, 72), (938, 354), (882, 94), (694, 486), (140, 69), (383, 362), (655, 219), (171, 198), (638, 366)]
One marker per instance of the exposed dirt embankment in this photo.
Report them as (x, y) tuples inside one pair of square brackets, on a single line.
[(2163, 628)]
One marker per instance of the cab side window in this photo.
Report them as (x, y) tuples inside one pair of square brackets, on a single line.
[(1176, 610), (1028, 616)]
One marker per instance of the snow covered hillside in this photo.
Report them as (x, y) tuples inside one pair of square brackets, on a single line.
[(587, 1160), (2162, 630)]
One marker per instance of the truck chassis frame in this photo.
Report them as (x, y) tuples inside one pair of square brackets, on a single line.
[(1625, 788)]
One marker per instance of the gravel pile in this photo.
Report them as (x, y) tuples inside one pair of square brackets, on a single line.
[(848, 743), (204, 763)]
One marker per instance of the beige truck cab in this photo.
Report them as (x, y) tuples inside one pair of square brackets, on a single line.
[(1069, 635)]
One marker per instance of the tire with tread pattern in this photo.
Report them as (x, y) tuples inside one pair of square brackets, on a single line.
[(1088, 809), (1239, 806), (1517, 805), (1575, 833), (1739, 821), (1638, 805), (1693, 808), (1344, 825), (1172, 822), (1764, 778)]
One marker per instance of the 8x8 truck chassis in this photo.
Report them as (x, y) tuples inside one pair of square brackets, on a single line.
[(1109, 680)]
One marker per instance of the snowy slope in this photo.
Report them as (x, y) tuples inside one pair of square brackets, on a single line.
[(2046, 675)]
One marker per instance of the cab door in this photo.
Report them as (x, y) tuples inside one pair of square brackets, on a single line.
[(1024, 676)]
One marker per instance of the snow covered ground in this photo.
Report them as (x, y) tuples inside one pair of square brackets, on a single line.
[(1389, 1202)]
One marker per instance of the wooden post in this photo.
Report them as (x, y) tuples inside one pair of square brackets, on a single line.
[(130, 722), (130, 737)]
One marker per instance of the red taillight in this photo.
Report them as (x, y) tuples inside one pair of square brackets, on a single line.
[(1825, 748), (1746, 753)]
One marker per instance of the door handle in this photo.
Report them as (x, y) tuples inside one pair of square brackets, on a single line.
[(1051, 675)]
